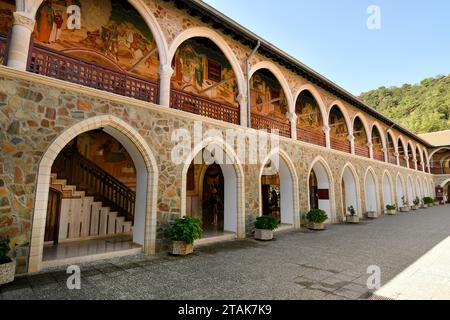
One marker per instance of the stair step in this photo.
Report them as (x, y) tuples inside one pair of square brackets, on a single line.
[(119, 224), (112, 216), (127, 227), (95, 218), (103, 221)]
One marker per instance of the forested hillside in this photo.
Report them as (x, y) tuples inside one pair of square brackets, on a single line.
[(421, 108)]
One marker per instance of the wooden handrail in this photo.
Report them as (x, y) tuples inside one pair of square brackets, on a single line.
[(88, 176), (265, 123)]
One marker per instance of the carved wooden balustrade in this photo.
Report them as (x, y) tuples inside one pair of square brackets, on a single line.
[(403, 162), (192, 103), (51, 63), (378, 154), (340, 144), (362, 150), (312, 136), (264, 123)]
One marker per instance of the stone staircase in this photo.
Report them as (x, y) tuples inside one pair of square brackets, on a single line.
[(81, 217)]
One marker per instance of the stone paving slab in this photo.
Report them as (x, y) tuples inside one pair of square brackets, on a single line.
[(298, 265)]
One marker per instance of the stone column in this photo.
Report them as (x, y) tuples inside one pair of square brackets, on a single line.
[(385, 153), (351, 138), (326, 129), (165, 75), (242, 100), (19, 44), (415, 163), (293, 120), (370, 146), (397, 158)]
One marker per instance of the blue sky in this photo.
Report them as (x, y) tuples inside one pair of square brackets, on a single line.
[(331, 36)]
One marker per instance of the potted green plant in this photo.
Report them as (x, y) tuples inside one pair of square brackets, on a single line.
[(416, 203), (316, 219), (405, 207), (352, 217), (391, 209), (428, 201), (183, 232), (7, 265), (265, 226), (437, 202)]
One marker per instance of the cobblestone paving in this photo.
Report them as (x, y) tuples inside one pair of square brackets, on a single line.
[(297, 265)]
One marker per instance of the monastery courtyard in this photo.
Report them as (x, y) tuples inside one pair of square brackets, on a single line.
[(298, 265)]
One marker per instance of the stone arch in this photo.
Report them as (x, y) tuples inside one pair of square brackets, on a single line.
[(349, 178), (443, 184), (219, 41), (325, 181), (146, 167), (400, 190), (410, 190), (429, 157), (234, 182), (343, 109), (381, 132), (388, 189), (361, 147), (288, 185), (371, 191), (419, 190), (281, 79), (315, 93), (365, 124)]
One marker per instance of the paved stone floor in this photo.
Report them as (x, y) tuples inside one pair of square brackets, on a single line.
[(298, 265)]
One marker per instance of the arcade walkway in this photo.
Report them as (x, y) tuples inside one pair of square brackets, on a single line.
[(298, 265)]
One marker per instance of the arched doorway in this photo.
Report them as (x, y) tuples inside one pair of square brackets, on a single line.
[(371, 192), (401, 194), (360, 135), (141, 234), (387, 191), (212, 184), (204, 81), (391, 153), (269, 104), (419, 190), (278, 190), (309, 119), (377, 144), (411, 195), (349, 190), (320, 189), (339, 130)]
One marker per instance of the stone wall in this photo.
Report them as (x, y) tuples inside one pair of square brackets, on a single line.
[(35, 111)]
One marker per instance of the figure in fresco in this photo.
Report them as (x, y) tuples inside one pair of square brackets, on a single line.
[(110, 41), (57, 25), (6, 20), (44, 21)]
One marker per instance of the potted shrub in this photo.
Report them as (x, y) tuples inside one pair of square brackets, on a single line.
[(405, 207), (422, 204), (183, 232), (391, 209), (352, 217), (416, 204), (316, 219), (7, 265), (264, 227), (428, 201)]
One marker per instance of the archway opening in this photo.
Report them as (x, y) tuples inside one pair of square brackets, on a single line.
[(419, 191), (391, 153), (320, 189), (410, 157), (97, 201), (387, 192), (309, 120), (401, 194), (377, 144), (411, 195), (425, 161), (212, 193), (371, 193), (440, 161), (277, 191), (349, 191), (204, 82), (269, 106), (360, 135), (402, 156), (446, 187), (113, 50), (419, 160), (339, 131)]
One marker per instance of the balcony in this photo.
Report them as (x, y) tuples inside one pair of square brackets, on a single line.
[(54, 64), (378, 155), (403, 162), (312, 136), (362, 150), (3, 49), (340, 144), (440, 170), (192, 103), (271, 125)]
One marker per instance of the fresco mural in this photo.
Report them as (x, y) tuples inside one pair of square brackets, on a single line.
[(111, 33), (308, 112), (267, 96), (7, 7), (201, 68), (360, 133), (338, 126)]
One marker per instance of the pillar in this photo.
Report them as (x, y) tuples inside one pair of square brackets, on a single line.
[(19, 44), (242, 100), (351, 138), (293, 120), (165, 76), (370, 146)]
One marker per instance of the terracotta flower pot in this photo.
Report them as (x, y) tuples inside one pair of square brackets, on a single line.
[(181, 248), (263, 235)]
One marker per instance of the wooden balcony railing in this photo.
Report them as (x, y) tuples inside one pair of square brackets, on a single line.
[(403, 162), (309, 135), (419, 167), (192, 103), (440, 170), (271, 125), (378, 155), (88, 176), (51, 63), (362, 150), (4, 41), (341, 145)]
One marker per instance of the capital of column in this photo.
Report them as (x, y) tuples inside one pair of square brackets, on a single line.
[(396, 154), (21, 19), (350, 137), (241, 99), (326, 129), (369, 144), (292, 117), (165, 71)]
